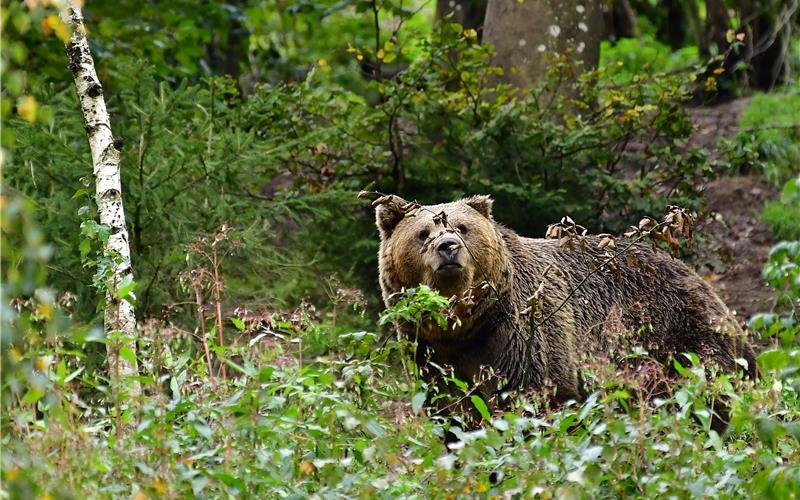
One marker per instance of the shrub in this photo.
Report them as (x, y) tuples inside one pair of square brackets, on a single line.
[(783, 214), (645, 54), (770, 122)]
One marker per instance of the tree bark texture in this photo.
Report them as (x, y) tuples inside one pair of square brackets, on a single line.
[(718, 22), (674, 27), (467, 13), (523, 33), (768, 26), (119, 314)]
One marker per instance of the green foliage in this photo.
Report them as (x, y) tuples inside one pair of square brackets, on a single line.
[(559, 149), (417, 305), (284, 161), (342, 427), (782, 273), (312, 405), (645, 54), (195, 159), (783, 214), (36, 334), (770, 122), (32, 53)]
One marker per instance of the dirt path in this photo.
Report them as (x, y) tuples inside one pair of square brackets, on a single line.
[(740, 241)]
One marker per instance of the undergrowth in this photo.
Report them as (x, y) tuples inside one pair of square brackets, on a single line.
[(294, 420), (351, 424)]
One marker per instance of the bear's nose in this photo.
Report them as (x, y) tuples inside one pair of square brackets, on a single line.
[(448, 247)]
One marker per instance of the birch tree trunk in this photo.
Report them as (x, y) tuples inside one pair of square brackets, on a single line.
[(119, 315)]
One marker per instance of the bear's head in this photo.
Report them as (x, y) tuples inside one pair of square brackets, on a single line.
[(451, 247)]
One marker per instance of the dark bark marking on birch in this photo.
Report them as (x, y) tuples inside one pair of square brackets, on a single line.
[(118, 143), (95, 90), (74, 54)]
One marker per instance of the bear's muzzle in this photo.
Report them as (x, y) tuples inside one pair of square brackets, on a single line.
[(448, 248)]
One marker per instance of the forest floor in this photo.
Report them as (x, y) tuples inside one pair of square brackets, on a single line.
[(737, 239)]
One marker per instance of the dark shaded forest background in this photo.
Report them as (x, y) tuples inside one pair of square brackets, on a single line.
[(248, 127)]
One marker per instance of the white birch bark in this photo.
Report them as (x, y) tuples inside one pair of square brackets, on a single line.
[(119, 314)]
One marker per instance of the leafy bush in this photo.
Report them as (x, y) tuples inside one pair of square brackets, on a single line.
[(770, 123), (352, 424), (645, 54), (349, 420), (783, 214), (195, 158), (558, 149)]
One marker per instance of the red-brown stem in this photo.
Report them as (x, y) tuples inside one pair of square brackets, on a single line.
[(201, 320), (218, 300)]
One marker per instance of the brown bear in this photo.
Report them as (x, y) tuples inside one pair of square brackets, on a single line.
[(458, 247)]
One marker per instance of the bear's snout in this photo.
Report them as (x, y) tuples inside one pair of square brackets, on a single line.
[(447, 248), (447, 257)]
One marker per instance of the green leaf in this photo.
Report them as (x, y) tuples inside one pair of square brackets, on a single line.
[(230, 481), (375, 428), (793, 428), (126, 353), (265, 374), (85, 246), (74, 374), (239, 324), (126, 286), (767, 429), (773, 360), (480, 405), (203, 429), (33, 395), (417, 401), (683, 372), (716, 442)]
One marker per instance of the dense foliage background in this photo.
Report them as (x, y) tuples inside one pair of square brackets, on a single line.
[(249, 127)]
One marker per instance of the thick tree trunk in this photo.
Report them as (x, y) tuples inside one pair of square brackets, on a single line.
[(620, 20), (768, 26), (718, 22), (119, 314), (674, 27), (467, 13), (524, 32)]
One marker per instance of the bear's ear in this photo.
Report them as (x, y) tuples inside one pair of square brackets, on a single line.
[(387, 216), (481, 203)]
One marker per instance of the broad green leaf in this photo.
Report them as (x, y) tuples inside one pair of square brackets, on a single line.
[(480, 405), (239, 324), (417, 401), (126, 353)]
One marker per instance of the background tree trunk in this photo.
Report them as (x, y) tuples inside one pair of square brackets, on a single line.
[(119, 314), (768, 28), (468, 13), (674, 28), (718, 21), (620, 20), (523, 33)]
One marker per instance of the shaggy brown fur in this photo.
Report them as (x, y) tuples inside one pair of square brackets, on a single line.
[(668, 312)]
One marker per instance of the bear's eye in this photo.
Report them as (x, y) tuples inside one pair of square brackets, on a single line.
[(423, 235), (462, 229)]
